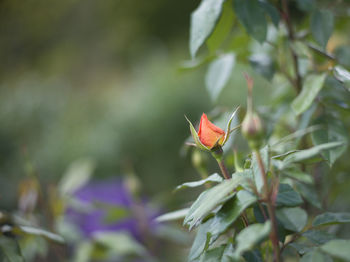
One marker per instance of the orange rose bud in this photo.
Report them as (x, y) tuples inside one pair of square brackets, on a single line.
[(209, 134)]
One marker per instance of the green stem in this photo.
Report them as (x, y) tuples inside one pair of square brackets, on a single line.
[(291, 36), (223, 168), (270, 209)]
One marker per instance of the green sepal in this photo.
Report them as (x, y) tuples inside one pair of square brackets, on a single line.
[(196, 137), (228, 129)]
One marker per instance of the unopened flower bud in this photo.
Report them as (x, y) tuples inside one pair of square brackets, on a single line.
[(252, 129)]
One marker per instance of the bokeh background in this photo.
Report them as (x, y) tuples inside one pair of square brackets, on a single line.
[(99, 81), (103, 80)]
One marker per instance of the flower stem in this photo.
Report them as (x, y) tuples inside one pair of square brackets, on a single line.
[(270, 209), (291, 36), (223, 168)]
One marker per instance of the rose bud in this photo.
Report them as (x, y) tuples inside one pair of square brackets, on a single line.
[(252, 127), (209, 136)]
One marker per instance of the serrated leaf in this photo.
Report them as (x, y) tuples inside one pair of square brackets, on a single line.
[(311, 87), (230, 211), (218, 74), (332, 130), (252, 16), (309, 193), (318, 237), (322, 23), (222, 28), (203, 21), (210, 199), (309, 153), (329, 218), (202, 238), (293, 219), (287, 196), (338, 248), (300, 176), (213, 255), (212, 178), (10, 250), (259, 182), (315, 256), (251, 236)]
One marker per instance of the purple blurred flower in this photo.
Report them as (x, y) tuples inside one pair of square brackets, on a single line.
[(97, 198)]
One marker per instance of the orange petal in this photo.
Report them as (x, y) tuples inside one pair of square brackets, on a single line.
[(209, 133)]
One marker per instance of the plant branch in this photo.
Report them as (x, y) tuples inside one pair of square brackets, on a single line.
[(270, 209), (291, 36)]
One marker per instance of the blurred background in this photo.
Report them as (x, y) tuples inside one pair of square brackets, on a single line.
[(98, 84)]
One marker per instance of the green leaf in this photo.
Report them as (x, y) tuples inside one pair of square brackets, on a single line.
[(263, 65), (218, 74), (201, 240), (10, 250), (331, 218), (126, 244), (306, 5), (338, 248), (315, 256), (311, 87), (252, 16), (251, 236), (300, 176), (210, 199), (342, 75), (253, 256), (333, 130), (309, 193), (223, 27), (175, 215), (83, 251), (318, 237), (264, 152), (322, 23), (230, 211), (309, 153), (271, 11), (293, 219), (203, 21), (212, 178), (115, 213), (342, 54), (77, 175), (38, 232), (213, 255), (287, 196)]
